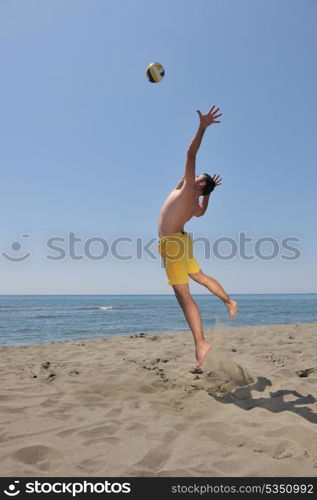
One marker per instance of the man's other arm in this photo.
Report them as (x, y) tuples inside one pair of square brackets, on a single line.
[(203, 205)]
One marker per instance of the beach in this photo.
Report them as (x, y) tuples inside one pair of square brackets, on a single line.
[(136, 406)]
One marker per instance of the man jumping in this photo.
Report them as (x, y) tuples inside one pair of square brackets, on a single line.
[(176, 246)]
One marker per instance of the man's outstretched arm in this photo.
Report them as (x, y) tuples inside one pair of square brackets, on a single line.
[(205, 121)]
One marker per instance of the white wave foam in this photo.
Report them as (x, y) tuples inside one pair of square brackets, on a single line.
[(105, 307)]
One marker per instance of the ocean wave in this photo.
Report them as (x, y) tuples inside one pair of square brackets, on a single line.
[(92, 308), (46, 316)]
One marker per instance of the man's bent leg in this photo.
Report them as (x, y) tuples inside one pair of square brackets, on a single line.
[(193, 318), (215, 288)]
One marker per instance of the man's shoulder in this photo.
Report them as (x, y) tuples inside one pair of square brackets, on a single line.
[(180, 184), (184, 184)]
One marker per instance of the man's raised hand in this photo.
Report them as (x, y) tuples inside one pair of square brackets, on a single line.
[(209, 118), (217, 179)]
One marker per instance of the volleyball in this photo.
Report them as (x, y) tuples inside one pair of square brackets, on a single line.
[(155, 72)]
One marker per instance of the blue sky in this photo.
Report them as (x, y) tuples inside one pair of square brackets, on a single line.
[(89, 146)]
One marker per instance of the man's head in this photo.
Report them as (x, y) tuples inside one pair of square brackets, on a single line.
[(205, 184)]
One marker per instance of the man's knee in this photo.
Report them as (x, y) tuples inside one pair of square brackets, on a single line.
[(182, 292), (200, 277)]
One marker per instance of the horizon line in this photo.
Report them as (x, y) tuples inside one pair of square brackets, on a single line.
[(139, 294)]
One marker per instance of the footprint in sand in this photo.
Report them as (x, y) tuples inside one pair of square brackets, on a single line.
[(102, 440), (32, 455), (306, 372), (147, 389), (102, 431), (156, 458), (287, 449)]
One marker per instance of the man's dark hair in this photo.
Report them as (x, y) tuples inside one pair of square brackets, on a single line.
[(210, 185)]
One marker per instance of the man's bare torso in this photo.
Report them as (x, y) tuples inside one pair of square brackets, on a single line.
[(179, 207)]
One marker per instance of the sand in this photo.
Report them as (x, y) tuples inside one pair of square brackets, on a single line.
[(135, 406)]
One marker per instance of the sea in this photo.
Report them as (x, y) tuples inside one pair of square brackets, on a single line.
[(38, 319)]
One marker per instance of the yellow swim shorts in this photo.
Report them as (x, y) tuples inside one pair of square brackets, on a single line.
[(176, 250)]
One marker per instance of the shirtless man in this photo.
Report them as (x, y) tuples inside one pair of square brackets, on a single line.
[(175, 245)]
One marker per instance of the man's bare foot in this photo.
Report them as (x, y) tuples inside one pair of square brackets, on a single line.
[(232, 307), (201, 351)]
